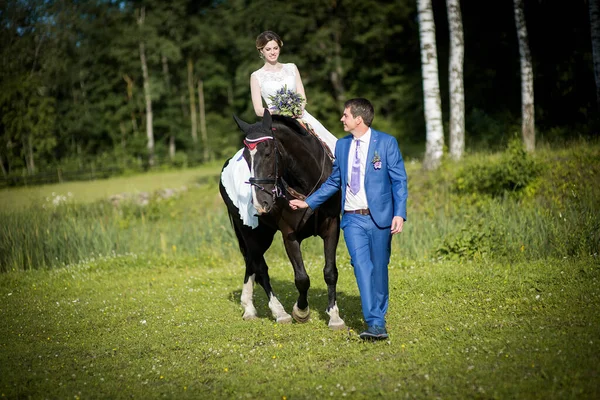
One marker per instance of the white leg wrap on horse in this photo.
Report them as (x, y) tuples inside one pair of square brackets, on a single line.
[(246, 298), (335, 322), (278, 311)]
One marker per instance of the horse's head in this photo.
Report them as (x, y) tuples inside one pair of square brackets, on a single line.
[(264, 170)]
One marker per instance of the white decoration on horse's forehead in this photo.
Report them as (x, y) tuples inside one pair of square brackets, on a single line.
[(260, 139)]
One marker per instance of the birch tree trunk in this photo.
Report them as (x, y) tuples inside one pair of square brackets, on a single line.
[(595, 31), (4, 173), (193, 115), (527, 104), (456, 80), (165, 68), (30, 160), (203, 132), (336, 75), (147, 95), (129, 81), (434, 147), (172, 148)]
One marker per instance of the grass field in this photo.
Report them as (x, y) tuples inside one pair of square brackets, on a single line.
[(91, 191), (491, 296), (139, 327)]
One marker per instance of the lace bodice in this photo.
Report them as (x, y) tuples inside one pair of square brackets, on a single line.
[(270, 82)]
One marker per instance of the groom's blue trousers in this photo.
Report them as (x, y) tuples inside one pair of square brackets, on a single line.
[(369, 247)]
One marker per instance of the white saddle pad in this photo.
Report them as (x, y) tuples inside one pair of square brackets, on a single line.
[(234, 178)]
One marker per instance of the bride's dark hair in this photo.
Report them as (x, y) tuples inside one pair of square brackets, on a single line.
[(266, 37)]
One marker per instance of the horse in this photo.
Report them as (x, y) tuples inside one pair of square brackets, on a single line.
[(286, 161)]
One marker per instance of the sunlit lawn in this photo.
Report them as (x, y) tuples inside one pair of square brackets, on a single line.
[(90, 191), (137, 327)]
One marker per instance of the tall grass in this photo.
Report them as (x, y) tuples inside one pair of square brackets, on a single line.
[(554, 216)]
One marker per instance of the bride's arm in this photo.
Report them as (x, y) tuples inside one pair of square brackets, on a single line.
[(257, 102), (300, 86)]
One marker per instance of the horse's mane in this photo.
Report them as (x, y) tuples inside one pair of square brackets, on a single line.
[(305, 150), (291, 123)]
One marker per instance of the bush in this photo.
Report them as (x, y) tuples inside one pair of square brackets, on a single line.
[(510, 173)]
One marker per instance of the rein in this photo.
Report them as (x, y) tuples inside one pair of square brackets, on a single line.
[(258, 182)]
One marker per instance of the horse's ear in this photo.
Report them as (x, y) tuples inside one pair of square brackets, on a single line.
[(267, 120), (241, 124)]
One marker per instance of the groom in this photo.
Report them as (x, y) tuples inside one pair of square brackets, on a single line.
[(369, 169)]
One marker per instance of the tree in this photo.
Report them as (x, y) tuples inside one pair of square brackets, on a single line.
[(192, 96), (147, 93), (434, 146), (527, 105), (595, 30), (455, 80)]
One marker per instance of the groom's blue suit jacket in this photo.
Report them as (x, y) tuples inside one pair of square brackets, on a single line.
[(385, 187)]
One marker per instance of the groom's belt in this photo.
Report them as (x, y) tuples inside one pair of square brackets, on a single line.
[(362, 211)]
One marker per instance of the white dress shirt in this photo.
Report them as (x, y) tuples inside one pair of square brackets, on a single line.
[(358, 201)]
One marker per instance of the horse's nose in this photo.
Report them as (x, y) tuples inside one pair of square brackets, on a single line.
[(262, 208), (265, 206)]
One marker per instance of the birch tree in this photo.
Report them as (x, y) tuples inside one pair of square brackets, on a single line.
[(434, 146), (527, 104), (595, 30), (147, 94), (192, 95), (202, 114), (456, 80)]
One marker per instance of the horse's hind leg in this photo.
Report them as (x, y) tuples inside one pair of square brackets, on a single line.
[(301, 311), (330, 235)]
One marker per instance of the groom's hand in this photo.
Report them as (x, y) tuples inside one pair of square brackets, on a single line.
[(397, 225), (296, 204)]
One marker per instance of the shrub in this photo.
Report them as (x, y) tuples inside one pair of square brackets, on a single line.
[(510, 173)]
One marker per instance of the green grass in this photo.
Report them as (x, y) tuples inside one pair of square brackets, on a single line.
[(151, 327), (491, 297), (90, 191)]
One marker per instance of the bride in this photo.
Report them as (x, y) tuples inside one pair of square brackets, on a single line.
[(264, 83), (274, 75)]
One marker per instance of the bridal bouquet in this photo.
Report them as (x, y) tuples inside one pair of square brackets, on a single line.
[(287, 102)]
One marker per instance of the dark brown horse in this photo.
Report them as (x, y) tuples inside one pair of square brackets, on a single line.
[(285, 162)]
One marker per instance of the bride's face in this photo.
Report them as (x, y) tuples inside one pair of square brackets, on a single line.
[(271, 51)]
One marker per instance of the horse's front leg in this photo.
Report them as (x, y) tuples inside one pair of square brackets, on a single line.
[(246, 297), (301, 311), (277, 309), (331, 235)]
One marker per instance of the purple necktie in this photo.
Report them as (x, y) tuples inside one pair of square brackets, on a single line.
[(355, 176)]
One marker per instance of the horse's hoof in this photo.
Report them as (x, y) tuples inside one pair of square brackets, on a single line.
[(284, 319), (300, 316), (337, 326), (249, 317)]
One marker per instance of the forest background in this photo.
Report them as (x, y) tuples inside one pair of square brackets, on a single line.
[(72, 76)]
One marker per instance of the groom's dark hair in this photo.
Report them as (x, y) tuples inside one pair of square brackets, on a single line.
[(361, 107)]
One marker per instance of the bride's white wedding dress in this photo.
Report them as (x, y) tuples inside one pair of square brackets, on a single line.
[(237, 173), (270, 82)]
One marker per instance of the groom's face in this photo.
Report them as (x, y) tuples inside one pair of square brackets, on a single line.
[(349, 121)]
